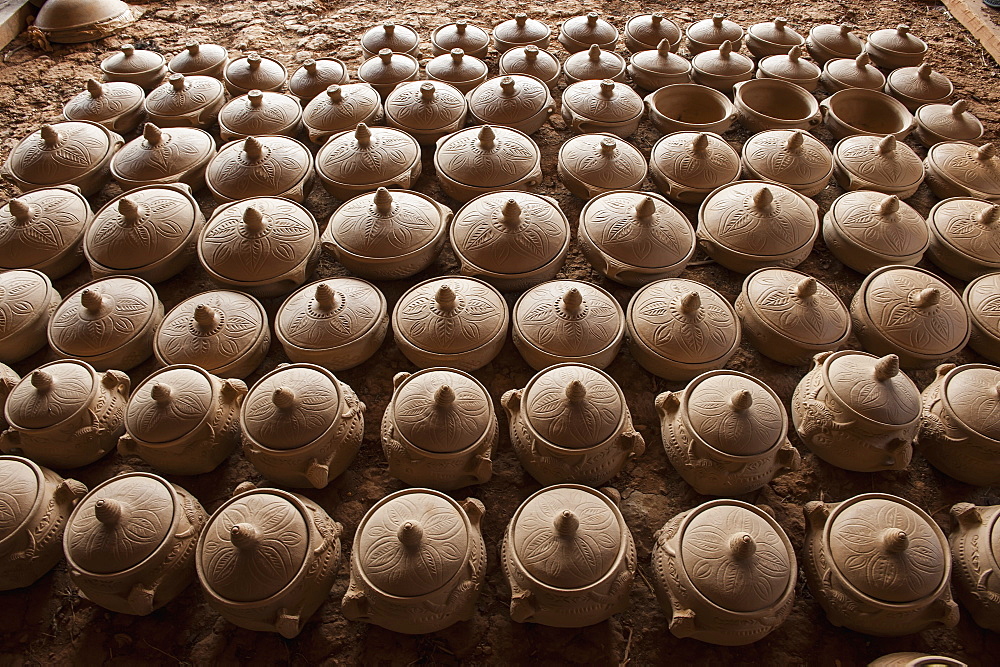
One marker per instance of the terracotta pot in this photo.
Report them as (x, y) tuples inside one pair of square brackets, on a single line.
[(709, 34), (721, 69), (142, 67), (259, 167), (944, 122), (478, 161), (385, 70), (315, 76), (772, 38), (581, 32), (594, 63), (68, 22), (186, 101), (164, 157), (965, 237), (913, 659), (520, 31), (517, 101), (532, 61), (882, 164), (644, 32), (867, 230), (975, 557), (260, 113), (199, 59), (980, 300), (117, 106), (689, 107), (427, 111), (960, 169), (341, 108), (253, 72), (658, 67), (792, 158), (829, 41), (855, 72), (917, 86), (602, 106), (8, 380), (773, 104), (790, 67), (461, 34), (356, 161), (591, 164), (395, 37), (687, 166), (43, 230), (892, 48), (455, 68), (27, 302), (866, 112)]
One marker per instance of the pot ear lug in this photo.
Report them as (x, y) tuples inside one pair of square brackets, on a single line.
[(967, 515), (318, 474), (243, 487), (667, 404), (140, 599), (70, 490), (288, 625), (523, 606), (682, 623), (816, 513)]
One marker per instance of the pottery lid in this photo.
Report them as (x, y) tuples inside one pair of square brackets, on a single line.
[(837, 39), (792, 157), (130, 60), (120, 523), (639, 229), (487, 156), (573, 406), (790, 66), (724, 542), (388, 67), (508, 99), (50, 394), (211, 329), (602, 160), (442, 410), (21, 482), (367, 155), (921, 82), (953, 121), (256, 72), (412, 543), (972, 393), (603, 101), (855, 72), (880, 223), (456, 67), (568, 318), (341, 106), (104, 101), (60, 152), (974, 167), (330, 313), (530, 60), (884, 161), (260, 112), (259, 167), (972, 226), (982, 297), (169, 404), (182, 95), (258, 239), (36, 226), (141, 227), (198, 57), (590, 29), (460, 35), (291, 406), (425, 105), (594, 63), (715, 30), (684, 321), (915, 310), (887, 548), (450, 315), (898, 39), (568, 536), (386, 223), (873, 387), (735, 413), (102, 316), (253, 546), (390, 35), (661, 60), (25, 298), (776, 32), (100, 18), (723, 61), (510, 232), (701, 160), (797, 306), (521, 30), (758, 218), (651, 29), (315, 76), (162, 154)]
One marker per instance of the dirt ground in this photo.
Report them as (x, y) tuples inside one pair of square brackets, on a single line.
[(48, 623)]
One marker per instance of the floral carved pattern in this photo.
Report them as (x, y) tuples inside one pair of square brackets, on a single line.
[(984, 301), (547, 322), (307, 324), (507, 160), (79, 147), (188, 403), (894, 401), (899, 234), (704, 334), (493, 104), (388, 154), (585, 160), (364, 230), (281, 165), (113, 101), (21, 296), (771, 157), (140, 160), (717, 421), (574, 422), (410, 109), (181, 340), (587, 99), (482, 234), (197, 92), (962, 164), (126, 306), (900, 166), (163, 223), (772, 229), (960, 225), (474, 319), (464, 420), (55, 222), (714, 166), (355, 103), (18, 491), (271, 116), (663, 240), (892, 303), (818, 317), (285, 239)]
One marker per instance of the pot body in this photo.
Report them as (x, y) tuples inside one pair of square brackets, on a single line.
[(271, 287), (854, 111), (775, 344), (693, 108), (945, 187), (587, 125), (858, 257), (758, 115), (626, 274), (975, 563), (28, 338)]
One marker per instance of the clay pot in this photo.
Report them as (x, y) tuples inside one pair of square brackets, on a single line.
[(386, 70), (792, 158), (37, 504), (182, 420), (387, 235), (199, 59), (258, 113), (283, 534), (913, 659), (164, 157), (341, 108), (458, 69), (427, 111), (722, 68), (8, 380), (658, 67), (773, 104), (892, 48), (27, 301), (418, 562), (356, 161), (790, 67), (846, 73), (129, 543), (975, 556), (452, 321), (726, 434), (67, 153), (867, 230), (856, 111), (635, 237), (579, 33), (772, 38), (517, 101), (829, 41), (917, 86), (481, 160), (253, 72), (886, 165), (259, 167), (965, 237), (689, 107), (512, 240), (779, 226), (64, 414), (594, 63), (961, 169), (439, 429), (602, 106), (709, 34), (697, 552), (43, 230), (532, 61), (857, 412), (139, 66), (461, 34), (315, 76), (116, 105), (149, 233), (71, 22), (301, 426), (265, 246), (944, 122), (878, 564), (223, 332), (789, 316), (109, 323), (395, 37), (567, 321), (186, 101), (336, 323), (678, 329), (644, 32), (520, 31), (568, 557), (590, 164), (980, 300), (912, 313)]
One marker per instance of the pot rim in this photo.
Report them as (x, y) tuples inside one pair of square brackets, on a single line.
[(382, 313), (951, 412), (789, 88), (824, 368), (184, 437), (669, 91), (900, 111), (819, 346)]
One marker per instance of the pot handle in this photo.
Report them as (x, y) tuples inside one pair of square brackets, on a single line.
[(682, 623), (967, 515), (789, 459), (140, 599), (647, 102), (116, 380), (480, 468), (234, 390), (355, 604), (667, 404), (10, 441), (398, 379), (824, 107), (70, 491), (288, 624), (126, 445), (523, 606), (511, 403), (318, 474), (633, 443), (475, 509), (816, 118)]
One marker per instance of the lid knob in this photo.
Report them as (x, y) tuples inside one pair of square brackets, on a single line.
[(741, 400), (988, 216), (444, 396), (108, 511), (894, 541), (152, 134), (457, 55), (887, 144), (410, 533), (924, 71), (887, 367), (520, 19), (959, 107), (253, 220), (460, 25), (663, 48), (363, 135), (806, 287), (335, 93), (21, 210), (427, 92), (607, 88), (655, 18), (717, 20), (284, 398), (927, 297), (244, 536), (254, 60), (129, 211), (986, 152), (486, 137), (575, 391), (845, 29), (726, 49), (50, 136), (572, 300), (762, 199), (645, 209), (91, 300), (780, 22), (795, 140), (507, 85), (95, 88), (530, 52), (256, 98), (389, 27), (795, 53), (253, 148), (385, 55), (592, 18), (889, 205), (608, 146), (510, 213), (193, 47), (325, 296), (700, 143), (902, 29), (566, 524), (862, 61), (594, 53), (128, 50), (383, 201), (176, 82), (206, 317), (160, 393), (310, 66), (41, 380), (690, 303), (742, 546), (445, 297)]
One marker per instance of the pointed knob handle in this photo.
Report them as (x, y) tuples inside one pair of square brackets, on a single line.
[(244, 536), (95, 88), (50, 136), (700, 143), (645, 209), (845, 29), (160, 393), (927, 297), (325, 297), (959, 107), (383, 201), (445, 297), (663, 48), (410, 533), (176, 82), (887, 144), (988, 216), (129, 210), (108, 511), (575, 391), (780, 22), (510, 213), (763, 198), (152, 134), (924, 71), (594, 53), (741, 400), (20, 209), (284, 398), (91, 299), (742, 546), (795, 141), (572, 300), (253, 148), (566, 524), (42, 380), (862, 61), (806, 287), (254, 220), (888, 206), (795, 53), (894, 541), (887, 368), (444, 396), (690, 303), (726, 49), (206, 317), (986, 152)]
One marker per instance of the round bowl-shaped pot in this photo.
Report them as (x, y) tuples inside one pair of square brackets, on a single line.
[(690, 107), (773, 104), (870, 112)]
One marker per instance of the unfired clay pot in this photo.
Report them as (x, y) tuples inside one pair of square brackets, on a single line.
[(363, 159), (772, 38), (721, 68), (315, 76), (517, 101), (458, 69), (340, 108), (892, 48), (602, 106), (533, 61), (687, 166), (68, 22), (792, 158), (848, 73), (775, 104), (947, 122), (142, 67), (980, 299), (590, 164), (520, 31), (689, 107), (385, 70), (8, 380), (975, 554), (882, 164), (269, 166), (658, 67), (117, 105), (917, 86), (390, 35), (867, 230), (869, 112), (581, 32), (480, 160), (961, 169), (253, 72), (461, 34), (27, 302), (426, 110), (828, 41), (790, 67), (594, 63), (645, 31), (709, 34), (260, 113), (965, 237), (43, 230), (162, 157), (186, 101), (198, 59)]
